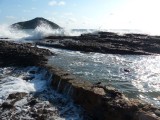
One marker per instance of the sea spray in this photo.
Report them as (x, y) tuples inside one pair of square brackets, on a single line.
[(12, 33), (41, 31)]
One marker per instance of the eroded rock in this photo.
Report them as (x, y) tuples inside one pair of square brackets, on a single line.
[(106, 42), (101, 102), (21, 54)]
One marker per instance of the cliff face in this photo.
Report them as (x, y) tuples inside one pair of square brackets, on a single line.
[(32, 24)]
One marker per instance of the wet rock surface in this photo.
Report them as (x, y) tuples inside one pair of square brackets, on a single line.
[(44, 103), (101, 102), (21, 54), (30, 108), (107, 42)]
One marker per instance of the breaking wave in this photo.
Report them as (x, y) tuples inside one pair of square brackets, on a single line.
[(40, 32), (8, 32)]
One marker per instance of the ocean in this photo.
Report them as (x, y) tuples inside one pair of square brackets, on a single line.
[(137, 76)]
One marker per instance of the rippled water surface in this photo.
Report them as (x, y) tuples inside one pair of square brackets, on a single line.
[(136, 76)]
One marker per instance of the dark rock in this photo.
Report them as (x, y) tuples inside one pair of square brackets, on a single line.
[(13, 54), (4, 38), (32, 72), (32, 24), (126, 70), (27, 78), (106, 42), (157, 112), (33, 102), (7, 105), (98, 83), (16, 96)]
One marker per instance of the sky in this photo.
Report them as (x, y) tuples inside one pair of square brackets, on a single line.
[(96, 14)]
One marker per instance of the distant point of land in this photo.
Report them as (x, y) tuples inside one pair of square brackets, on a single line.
[(32, 24)]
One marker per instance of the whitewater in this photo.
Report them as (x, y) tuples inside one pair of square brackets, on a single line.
[(142, 81)]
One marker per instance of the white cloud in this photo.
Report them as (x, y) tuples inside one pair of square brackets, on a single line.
[(26, 11), (10, 17), (61, 3), (53, 3), (73, 20), (33, 8), (56, 3)]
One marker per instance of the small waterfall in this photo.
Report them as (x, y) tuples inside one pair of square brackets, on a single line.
[(70, 87), (50, 79), (58, 85), (67, 90)]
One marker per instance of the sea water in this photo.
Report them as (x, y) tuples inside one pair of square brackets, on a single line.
[(137, 76)]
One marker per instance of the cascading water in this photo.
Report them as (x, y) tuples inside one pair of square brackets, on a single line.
[(36, 83)]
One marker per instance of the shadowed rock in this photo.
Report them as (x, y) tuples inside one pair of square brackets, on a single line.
[(107, 42), (32, 24), (21, 54)]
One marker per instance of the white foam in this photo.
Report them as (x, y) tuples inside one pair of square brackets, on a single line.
[(13, 85), (33, 79), (8, 32), (40, 32)]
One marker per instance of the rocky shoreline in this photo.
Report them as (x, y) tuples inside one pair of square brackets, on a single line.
[(106, 42), (21, 54), (100, 102)]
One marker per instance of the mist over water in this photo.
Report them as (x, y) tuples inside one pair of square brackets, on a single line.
[(44, 30), (40, 32), (8, 32)]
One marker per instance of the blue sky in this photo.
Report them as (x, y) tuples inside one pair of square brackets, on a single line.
[(100, 14)]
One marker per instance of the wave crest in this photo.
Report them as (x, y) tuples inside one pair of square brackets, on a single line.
[(40, 32)]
